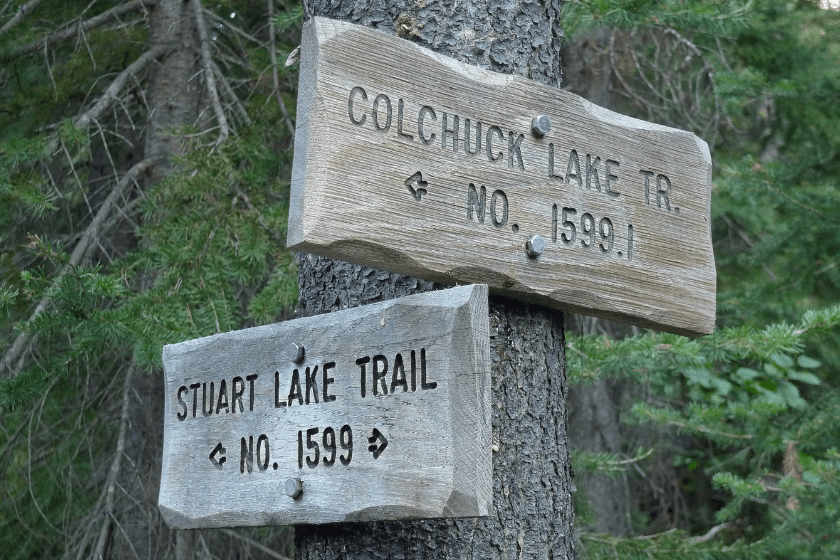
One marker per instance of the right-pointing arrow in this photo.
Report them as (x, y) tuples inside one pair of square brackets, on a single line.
[(375, 437)]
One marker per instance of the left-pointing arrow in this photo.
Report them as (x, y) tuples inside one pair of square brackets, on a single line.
[(217, 450), (417, 179)]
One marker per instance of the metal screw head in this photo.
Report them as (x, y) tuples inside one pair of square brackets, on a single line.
[(296, 352), (540, 125), (294, 488), (535, 245)]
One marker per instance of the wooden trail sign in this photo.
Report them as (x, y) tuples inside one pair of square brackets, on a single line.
[(413, 162), (380, 412)]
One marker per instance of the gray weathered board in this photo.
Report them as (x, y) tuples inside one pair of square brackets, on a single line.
[(420, 433), (382, 178)]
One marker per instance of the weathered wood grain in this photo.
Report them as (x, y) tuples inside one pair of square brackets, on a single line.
[(398, 188), (437, 462)]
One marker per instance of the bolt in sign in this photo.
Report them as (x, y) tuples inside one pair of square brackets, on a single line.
[(416, 163), (380, 412)]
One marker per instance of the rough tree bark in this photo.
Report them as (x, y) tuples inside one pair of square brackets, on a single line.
[(532, 474)]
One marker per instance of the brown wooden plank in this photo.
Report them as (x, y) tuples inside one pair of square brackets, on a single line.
[(371, 187), (433, 411)]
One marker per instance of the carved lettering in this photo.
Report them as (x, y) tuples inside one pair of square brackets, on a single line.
[(379, 374), (223, 398), (424, 382), (363, 373), (467, 134), (295, 391), (277, 402), (573, 169), (609, 165), (593, 232), (194, 388), (400, 132), (182, 415), (592, 170), (551, 163), (327, 381), (444, 132), (499, 195), (262, 452), (382, 97), (353, 92), (423, 112), (236, 394), (647, 175), (663, 189), (251, 379), (311, 383), (475, 202), (515, 148), (490, 132), (246, 455), (205, 410), (398, 376)]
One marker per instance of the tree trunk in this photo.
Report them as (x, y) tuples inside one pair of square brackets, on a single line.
[(532, 474), (174, 97), (174, 93), (594, 424)]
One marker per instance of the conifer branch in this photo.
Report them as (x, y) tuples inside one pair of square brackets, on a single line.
[(110, 95), (23, 11), (80, 27), (272, 50), (237, 30), (255, 544), (110, 484), (711, 533), (239, 109), (746, 238), (209, 77), (274, 235), (800, 204), (13, 360)]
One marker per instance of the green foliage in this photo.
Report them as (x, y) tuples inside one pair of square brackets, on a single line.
[(759, 398), (211, 242), (288, 19), (714, 17), (608, 464), (199, 252), (672, 544)]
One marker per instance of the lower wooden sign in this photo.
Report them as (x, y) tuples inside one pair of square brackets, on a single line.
[(413, 162), (380, 412)]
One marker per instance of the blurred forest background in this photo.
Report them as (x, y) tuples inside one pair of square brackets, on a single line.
[(145, 154)]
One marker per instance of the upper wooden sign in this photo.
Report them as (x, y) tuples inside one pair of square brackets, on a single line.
[(375, 413), (413, 162)]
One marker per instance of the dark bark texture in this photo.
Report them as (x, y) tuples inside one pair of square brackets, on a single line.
[(532, 476), (533, 513), (521, 37)]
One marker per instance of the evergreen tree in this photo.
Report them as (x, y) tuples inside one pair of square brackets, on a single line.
[(144, 154), (749, 411)]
